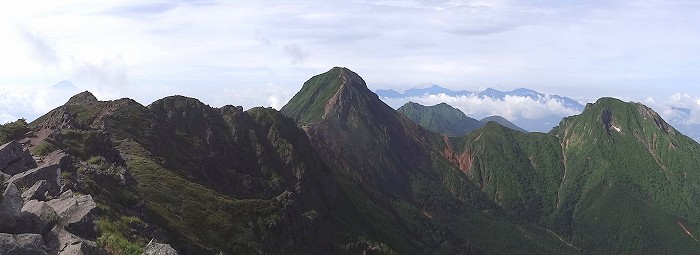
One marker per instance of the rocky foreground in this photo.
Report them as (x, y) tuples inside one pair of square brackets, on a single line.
[(40, 214)]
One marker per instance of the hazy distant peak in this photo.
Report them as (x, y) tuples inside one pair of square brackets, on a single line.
[(65, 85)]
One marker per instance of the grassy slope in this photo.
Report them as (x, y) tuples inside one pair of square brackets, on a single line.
[(196, 213), (310, 102), (440, 118), (503, 122), (638, 183), (611, 220), (520, 171), (645, 160)]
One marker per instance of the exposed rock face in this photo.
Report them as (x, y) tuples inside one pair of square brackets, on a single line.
[(38, 191), (81, 248), (154, 248), (61, 242), (77, 214), (10, 208), (49, 173), (14, 159), (36, 217), (22, 244), (59, 158)]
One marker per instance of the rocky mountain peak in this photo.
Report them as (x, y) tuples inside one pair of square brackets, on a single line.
[(331, 95), (82, 98)]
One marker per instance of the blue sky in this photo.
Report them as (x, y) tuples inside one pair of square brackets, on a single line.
[(255, 53)]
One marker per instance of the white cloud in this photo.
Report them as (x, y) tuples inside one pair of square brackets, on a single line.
[(217, 51), (686, 102), (297, 54), (30, 102), (511, 107), (5, 118), (39, 48), (107, 78), (273, 102)]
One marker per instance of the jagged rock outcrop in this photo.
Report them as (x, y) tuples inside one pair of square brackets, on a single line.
[(35, 217), (39, 191), (15, 159), (22, 244), (61, 242), (10, 208), (77, 214), (51, 174)]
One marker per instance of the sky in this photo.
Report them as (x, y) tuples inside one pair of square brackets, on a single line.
[(259, 53)]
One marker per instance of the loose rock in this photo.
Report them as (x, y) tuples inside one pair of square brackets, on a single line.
[(36, 217), (61, 242), (77, 214), (10, 208), (39, 191), (22, 244), (50, 173), (154, 248), (14, 159)]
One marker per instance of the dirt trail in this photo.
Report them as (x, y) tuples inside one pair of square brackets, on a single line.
[(562, 239), (564, 145)]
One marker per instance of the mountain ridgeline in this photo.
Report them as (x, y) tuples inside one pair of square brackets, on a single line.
[(337, 171), (440, 118), (447, 120)]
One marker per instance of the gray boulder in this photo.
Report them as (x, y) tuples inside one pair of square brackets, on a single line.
[(10, 208), (73, 249), (60, 158), (77, 214), (61, 242), (41, 190), (154, 248), (15, 159), (50, 173), (22, 244), (67, 194), (36, 217)]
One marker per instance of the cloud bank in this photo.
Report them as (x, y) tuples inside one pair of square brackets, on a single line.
[(32, 102), (513, 108)]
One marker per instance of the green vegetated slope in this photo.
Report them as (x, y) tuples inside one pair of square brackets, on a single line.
[(519, 171), (411, 198), (215, 179), (629, 146), (503, 122), (447, 120), (615, 179), (440, 118), (310, 103)]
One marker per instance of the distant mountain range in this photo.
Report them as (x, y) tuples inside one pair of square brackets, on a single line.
[(489, 92), (542, 123)]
